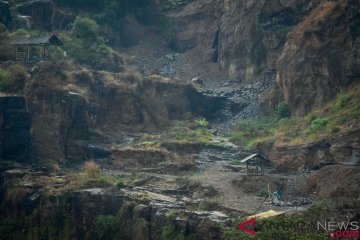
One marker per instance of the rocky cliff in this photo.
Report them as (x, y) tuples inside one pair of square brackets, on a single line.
[(321, 56), (15, 122), (66, 106)]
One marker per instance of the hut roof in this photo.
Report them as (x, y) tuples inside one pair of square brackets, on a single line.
[(50, 39), (251, 157)]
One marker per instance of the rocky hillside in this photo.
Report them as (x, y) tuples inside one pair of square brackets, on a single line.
[(141, 118), (320, 56)]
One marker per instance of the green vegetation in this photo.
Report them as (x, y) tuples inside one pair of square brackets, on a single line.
[(169, 231), (236, 162), (202, 122), (342, 100), (5, 76), (6, 50), (105, 226), (120, 226), (86, 46), (204, 206), (283, 110), (318, 124), (338, 115), (120, 184), (12, 79), (109, 11), (184, 131), (165, 28), (57, 226), (296, 226), (249, 132)]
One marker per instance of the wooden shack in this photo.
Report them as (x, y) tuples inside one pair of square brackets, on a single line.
[(25, 45), (255, 164)]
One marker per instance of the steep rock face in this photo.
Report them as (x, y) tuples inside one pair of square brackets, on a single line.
[(59, 115), (62, 19), (199, 18), (41, 12), (132, 103), (244, 37), (97, 212), (15, 143), (321, 56), (5, 15), (74, 124), (251, 34), (342, 148), (65, 106), (335, 181)]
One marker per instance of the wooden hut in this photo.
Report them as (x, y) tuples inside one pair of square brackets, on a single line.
[(254, 164), (24, 45)]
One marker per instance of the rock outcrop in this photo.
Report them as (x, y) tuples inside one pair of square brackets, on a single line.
[(252, 34), (342, 148), (40, 11), (66, 108), (5, 14), (74, 124), (15, 122), (87, 213), (244, 37), (321, 56)]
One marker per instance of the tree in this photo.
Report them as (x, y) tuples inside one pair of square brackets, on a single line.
[(283, 110)]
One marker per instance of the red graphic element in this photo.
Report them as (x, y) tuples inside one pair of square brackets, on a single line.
[(332, 235), (242, 226)]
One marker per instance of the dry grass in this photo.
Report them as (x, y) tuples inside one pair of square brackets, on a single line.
[(157, 78), (324, 12), (83, 75), (70, 87), (132, 76), (92, 169)]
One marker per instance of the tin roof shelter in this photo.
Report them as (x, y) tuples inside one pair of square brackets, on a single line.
[(24, 45), (254, 164)]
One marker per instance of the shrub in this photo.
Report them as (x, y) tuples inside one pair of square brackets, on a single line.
[(318, 124), (202, 122), (86, 28), (18, 75), (4, 79), (283, 110), (342, 100), (105, 227), (86, 46), (6, 49), (249, 132), (92, 169), (120, 184)]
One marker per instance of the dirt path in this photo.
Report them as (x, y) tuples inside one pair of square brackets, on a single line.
[(229, 195)]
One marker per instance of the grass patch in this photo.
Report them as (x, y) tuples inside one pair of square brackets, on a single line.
[(249, 132), (92, 169), (296, 226), (336, 116), (237, 162), (183, 131)]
